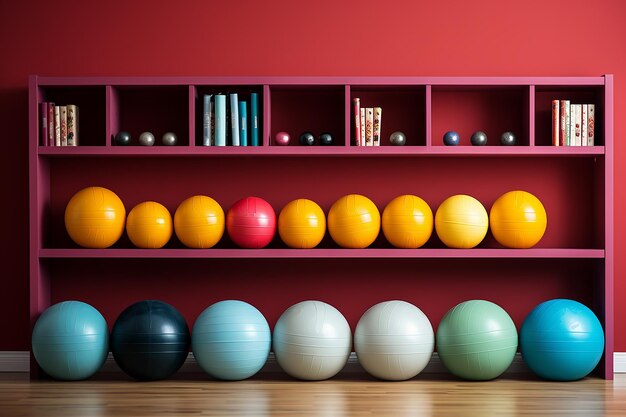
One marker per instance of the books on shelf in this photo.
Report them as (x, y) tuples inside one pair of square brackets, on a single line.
[(573, 124), (59, 124), (235, 123), (367, 124)]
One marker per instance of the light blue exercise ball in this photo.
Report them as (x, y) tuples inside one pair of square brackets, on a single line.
[(70, 340), (562, 340), (231, 340)]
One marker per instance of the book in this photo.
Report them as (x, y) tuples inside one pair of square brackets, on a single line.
[(556, 117), (234, 119), (362, 110), (356, 106), (207, 133), (571, 137), (584, 138), (254, 119), (243, 123), (369, 126), (43, 116), (564, 133), (591, 124), (57, 125), (72, 125), (63, 123), (576, 121), (51, 125), (378, 114), (220, 120)]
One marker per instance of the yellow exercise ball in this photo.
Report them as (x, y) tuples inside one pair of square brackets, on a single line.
[(199, 222), (518, 220), (94, 217), (461, 222), (407, 222), (302, 224), (354, 221), (149, 225)]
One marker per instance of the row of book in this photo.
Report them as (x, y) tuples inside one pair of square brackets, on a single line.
[(573, 124), (229, 124), (367, 124), (59, 124)]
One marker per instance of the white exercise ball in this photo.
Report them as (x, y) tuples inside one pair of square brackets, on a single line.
[(394, 340), (312, 341)]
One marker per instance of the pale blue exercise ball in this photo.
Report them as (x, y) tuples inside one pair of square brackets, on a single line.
[(70, 340), (231, 340)]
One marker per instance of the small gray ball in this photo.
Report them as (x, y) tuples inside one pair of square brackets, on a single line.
[(479, 138), (397, 138), (507, 139), (169, 139), (146, 139)]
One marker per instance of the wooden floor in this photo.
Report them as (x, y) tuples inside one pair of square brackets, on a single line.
[(342, 396)]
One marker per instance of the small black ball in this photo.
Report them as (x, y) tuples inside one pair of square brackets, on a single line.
[(122, 138), (507, 139), (479, 138), (326, 139), (307, 139)]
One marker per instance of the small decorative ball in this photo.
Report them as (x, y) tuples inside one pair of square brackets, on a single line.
[(282, 138), (326, 139), (507, 139), (397, 139), (122, 138), (146, 139), (169, 139), (451, 138), (479, 138), (307, 139)]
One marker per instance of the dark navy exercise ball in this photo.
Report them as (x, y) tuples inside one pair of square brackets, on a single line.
[(479, 138), (508, 139), (451, 138), (326, 139), (122, 138), (307, 139), (150, 340)]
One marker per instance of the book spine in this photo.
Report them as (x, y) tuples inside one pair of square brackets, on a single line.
[(43, 116), (63, 118), (51, 125), (591, 124), (254, 119), (243, 123), (362, 126), (584, 138), (356, 106), (556, 116), (220, 120), (207, 131), (378, 114), (369, 126), (234, 118), (72, 125), (576, 121), (57, 125), (567, 141)]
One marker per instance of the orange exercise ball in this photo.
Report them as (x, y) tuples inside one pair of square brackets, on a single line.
[(302, 224), (199, 222), (518, 220), (354, 221), (461, 222), (407, 222), (149, 225), (94, 217)]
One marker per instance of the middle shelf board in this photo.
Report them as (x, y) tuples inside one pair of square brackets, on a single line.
[(556, 253)]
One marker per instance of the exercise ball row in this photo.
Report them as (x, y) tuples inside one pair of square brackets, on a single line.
[(394, 340), (95, 218)]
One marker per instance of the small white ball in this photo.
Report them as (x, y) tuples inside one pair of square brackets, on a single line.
[(146, 139), (169, 139)]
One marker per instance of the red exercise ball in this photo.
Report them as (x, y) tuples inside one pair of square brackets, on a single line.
[(251, 223)]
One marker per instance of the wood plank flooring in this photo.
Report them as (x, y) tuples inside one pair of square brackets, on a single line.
[(349, 395)]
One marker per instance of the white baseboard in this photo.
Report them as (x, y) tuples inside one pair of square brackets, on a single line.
[(19, 361)]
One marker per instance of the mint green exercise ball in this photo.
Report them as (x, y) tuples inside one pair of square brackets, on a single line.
[(477, 340)]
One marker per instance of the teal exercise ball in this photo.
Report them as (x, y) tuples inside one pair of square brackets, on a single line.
[(70, 340), (562, 340), (477, 340), (231, 340)]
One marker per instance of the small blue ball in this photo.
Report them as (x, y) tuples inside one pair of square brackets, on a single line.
[(451, 138), (508, 139), (122, 138)]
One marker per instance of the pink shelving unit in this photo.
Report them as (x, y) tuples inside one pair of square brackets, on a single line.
[(573, 260)]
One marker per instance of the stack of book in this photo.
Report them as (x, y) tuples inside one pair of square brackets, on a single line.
[(59, 124), (228, 123), (573, 124), (367, 124)]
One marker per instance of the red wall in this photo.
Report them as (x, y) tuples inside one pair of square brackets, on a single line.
[(281, 37)]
